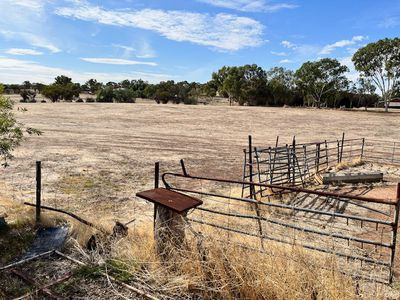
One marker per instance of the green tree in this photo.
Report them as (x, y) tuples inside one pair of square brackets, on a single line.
[(105, 94), (124, 96), (281, 84), (93, 85), (254, 89), (380, 62), (53, 91), (319, 78), (244, 84), (62, 80), (12, 132)]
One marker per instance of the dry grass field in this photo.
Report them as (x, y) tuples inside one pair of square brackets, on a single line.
[(97, 156)]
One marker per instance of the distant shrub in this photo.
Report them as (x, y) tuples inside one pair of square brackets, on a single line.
[(79, 100), (28, 95), (90, 100), (43, 101), (124, 96), (190, 101), (105, 95)]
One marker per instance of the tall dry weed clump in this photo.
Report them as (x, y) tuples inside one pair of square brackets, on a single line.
[(213, 269)]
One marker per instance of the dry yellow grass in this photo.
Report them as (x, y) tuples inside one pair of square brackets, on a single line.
[(214, 269), (349, 164)]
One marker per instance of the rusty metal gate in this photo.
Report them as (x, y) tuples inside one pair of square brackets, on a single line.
[(359, 231)]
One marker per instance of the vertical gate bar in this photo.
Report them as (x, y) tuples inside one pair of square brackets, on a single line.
[(156, 185), (244, 171), (326, 154), (362, 148), (294, 160), (338, 151), (288, 163), (341, 148), (253, 195), (258, 169), (252, 190), (270, 165), (38, 189), (394, 234)]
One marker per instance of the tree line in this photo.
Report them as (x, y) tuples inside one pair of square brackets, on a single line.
[(321, 83)]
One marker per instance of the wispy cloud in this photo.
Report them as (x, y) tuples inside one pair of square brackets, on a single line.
[(32, 39), (250, 5), (17, 70), (340, 44), (126, 48), (389, 22), (285, 61), (116, 61), (288, 45), (36, 5), (220, 31), (279, 53), (145, 51), (23, 51)]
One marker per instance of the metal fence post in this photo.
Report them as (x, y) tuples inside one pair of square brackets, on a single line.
[(394, 233), (294, 159), (252, 189), (341, 148), (156, 185), (38, 189)]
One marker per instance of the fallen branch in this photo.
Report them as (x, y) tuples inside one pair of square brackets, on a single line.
[(72, 215), (129, 287), (26, 260)]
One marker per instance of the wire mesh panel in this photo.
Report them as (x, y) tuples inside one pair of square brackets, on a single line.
[(386, 152), (359, 231)]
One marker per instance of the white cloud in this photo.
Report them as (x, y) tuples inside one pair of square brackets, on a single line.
[(116, 61), (285, 61), (26, 21), (16, 71), (249, 5), (288, 45), (126, 48), (340, 44), (279, 53), (35, 5), (32, 39), (23, 51), (220, 31)]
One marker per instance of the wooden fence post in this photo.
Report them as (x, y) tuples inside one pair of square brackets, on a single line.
[(38, 189), (169, 230)]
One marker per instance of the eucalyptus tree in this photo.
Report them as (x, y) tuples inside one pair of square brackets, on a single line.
[(380, 62), (319, 78)]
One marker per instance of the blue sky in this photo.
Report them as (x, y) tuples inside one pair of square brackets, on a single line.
[(181, 40)]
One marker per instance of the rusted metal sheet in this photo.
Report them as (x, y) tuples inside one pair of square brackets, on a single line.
[(173, 200)]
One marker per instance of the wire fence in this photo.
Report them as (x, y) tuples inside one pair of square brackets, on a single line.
[(359, 231), (297, 164)]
